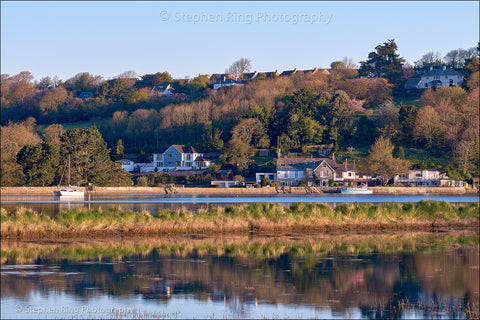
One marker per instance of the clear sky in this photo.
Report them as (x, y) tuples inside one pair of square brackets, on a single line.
[(190, 38)]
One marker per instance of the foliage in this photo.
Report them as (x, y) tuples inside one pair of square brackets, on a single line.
[(381, 162), (40, 163), (90, 160), (384, 62)]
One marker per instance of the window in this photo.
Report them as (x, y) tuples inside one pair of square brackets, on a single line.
[(159, 164), (177, 163), (189, 157), (188, 164), (169, 163), (169, 155), (325, 174), (176, 156), (349, 174), (296, 174)]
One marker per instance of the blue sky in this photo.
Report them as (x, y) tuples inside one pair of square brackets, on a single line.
[(191, 38)]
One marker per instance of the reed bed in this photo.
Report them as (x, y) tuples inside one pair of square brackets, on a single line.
[(256, 217)]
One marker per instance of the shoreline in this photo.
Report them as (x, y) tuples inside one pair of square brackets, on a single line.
[(240, 191)]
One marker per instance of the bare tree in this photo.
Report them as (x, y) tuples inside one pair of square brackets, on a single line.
[(130, 74), (239, 67), (349, 63), (429, 59)]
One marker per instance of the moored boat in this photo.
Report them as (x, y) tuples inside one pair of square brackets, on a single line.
[(70, 191), (357, 190)]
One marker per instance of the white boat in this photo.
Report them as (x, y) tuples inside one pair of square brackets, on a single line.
[(358, 190), (70, 191)]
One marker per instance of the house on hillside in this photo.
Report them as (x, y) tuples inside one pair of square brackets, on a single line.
[(161, 90), (86, 95), (288, 72), (222, 80), (271, 74), (436, 78)]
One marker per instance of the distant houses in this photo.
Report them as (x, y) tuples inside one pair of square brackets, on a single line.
[(227, 80)]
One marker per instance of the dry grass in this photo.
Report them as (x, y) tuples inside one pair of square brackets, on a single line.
[(257, 217)]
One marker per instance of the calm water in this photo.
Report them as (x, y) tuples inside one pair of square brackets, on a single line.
[(154, 203), (387, 276)]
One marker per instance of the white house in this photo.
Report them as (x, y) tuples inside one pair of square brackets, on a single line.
[(127, 165), (223, 80), (440, 78), (161, 90), (420, 178), (261, 175)]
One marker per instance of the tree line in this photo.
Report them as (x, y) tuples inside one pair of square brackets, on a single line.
[(344, 108)]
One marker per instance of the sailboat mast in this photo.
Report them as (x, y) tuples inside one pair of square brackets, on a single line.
[(68, 169)]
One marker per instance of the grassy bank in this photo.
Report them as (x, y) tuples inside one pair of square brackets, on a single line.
[(256, 217)]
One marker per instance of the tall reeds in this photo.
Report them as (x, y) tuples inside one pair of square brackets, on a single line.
[(425, 215)]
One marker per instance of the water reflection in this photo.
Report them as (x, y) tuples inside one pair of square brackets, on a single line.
[(367, 276)]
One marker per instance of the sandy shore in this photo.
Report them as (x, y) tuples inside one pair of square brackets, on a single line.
[(237, 191)]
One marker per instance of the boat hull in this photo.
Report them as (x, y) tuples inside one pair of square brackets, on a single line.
[(69, 193), (355, 191)]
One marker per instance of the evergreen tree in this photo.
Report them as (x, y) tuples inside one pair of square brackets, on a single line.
[(90, 160), (39, 163), (384, 62)]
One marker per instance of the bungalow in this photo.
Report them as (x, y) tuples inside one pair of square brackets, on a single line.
[(427, 178), (225, 179), (161, 90), (288, 72), (440, 78)]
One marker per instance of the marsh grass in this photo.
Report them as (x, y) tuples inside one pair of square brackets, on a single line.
[(256, 217)]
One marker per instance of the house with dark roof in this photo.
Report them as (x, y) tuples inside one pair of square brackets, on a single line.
[(161, 90), (220, 80), (436, 78), (289, 72), (293, 171), (85, 95)]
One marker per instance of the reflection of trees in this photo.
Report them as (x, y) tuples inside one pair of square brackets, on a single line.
[(340, 272)]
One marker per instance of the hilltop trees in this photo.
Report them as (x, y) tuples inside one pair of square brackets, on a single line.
[(239, 67), (384, 62)]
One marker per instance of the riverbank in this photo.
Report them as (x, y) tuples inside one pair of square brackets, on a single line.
[(24, 223), (239, 191)]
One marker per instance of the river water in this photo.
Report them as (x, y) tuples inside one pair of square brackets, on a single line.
[(153, 203), (404, 276), (332, 276)]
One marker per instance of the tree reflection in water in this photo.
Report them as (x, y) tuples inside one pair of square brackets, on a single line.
[(382, 276)]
